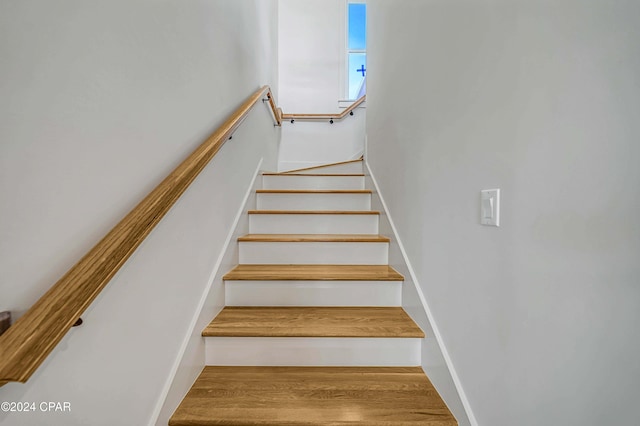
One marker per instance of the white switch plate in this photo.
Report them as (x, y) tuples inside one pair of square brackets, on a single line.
[(490, 207)]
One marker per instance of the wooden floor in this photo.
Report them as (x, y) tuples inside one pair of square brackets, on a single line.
[(260, 321), (323, 396), (314, 273)]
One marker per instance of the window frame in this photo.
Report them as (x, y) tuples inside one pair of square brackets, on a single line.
[(344, 80)]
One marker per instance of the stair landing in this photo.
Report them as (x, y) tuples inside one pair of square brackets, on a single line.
[(325, 396)]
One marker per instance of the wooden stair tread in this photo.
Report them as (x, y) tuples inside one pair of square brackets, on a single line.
[(363, 212), (313, 174), (372, 396), (313, 273), (304, 238), (270, 321), (313, 191)]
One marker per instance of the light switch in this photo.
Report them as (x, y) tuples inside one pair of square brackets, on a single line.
[(490, 207)]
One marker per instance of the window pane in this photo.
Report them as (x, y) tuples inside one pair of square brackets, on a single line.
[(357, 72), (357, 26)]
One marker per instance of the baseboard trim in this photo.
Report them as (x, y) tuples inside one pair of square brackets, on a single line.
[(289, 166), (425, 305), (194, 320)]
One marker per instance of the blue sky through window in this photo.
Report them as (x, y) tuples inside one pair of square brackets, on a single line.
[(357, 26), (357, 40), (356, 79)]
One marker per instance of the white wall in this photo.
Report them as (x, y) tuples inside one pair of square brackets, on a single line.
[(314, 143), (540, 99), (311, 40), (192, 353), (311, 45), (433, 361), (100, 101)]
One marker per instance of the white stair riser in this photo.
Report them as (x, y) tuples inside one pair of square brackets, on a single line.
[(297, 201), (301, 253), (353, 167), (312, 351), (312, 182), (313, 223), (313, 293)]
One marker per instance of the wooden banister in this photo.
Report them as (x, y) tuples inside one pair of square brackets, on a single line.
[(26, 344), (277, 112), (340, 116)]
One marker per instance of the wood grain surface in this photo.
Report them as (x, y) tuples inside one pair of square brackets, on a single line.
[(312, 174), (313, 272), (319, 396), (314, 238), (313, 191), (363, 212), (311, 321)]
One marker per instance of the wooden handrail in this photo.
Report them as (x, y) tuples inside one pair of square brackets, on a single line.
[(26, 344), (340, 116), (277, 112)]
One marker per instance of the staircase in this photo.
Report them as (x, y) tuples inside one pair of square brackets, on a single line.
[(313, 332)]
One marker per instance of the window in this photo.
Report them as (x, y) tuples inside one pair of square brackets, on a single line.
[(356, 49)]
